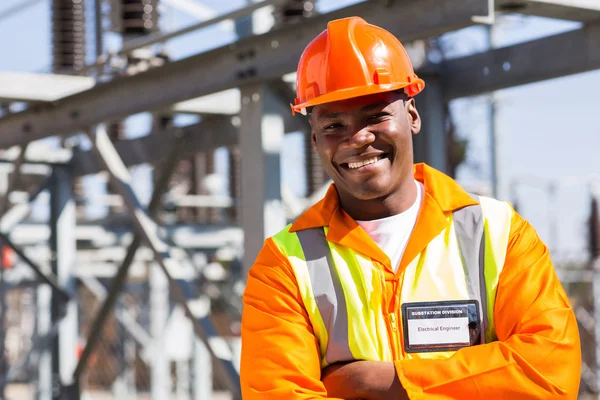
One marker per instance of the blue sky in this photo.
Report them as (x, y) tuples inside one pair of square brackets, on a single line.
[(547, 130)]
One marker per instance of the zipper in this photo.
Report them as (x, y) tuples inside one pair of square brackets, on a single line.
[(394, 316), (392, 324), (389, 318), (397, 303), (393, 321)]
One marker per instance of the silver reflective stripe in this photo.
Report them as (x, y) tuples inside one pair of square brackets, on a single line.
[(483, 287), (468, 224), (328, 293)]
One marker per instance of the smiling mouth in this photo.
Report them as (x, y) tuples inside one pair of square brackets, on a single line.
[(359, 164)]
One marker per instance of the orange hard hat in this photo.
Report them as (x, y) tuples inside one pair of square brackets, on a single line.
[(350, 59)]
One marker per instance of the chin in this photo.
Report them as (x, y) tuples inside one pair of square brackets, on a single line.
[(369, 192)]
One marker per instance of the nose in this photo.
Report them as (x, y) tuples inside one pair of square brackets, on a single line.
[(360, 138)]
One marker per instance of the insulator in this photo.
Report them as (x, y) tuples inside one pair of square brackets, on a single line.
[(116, 130), (294, 10), (68, 35), (161, 122), (139, 17)]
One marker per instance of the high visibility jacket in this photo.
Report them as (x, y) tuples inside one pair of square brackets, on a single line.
[(288, 334)]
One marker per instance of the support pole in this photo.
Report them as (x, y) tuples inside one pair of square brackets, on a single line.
[(430, 145), (3, 325), (494, 144), (130, 350), (202, 372), (594, 247), (124, 385), (235, 184), (596, 296), (44, 386), (182, 369), (261, 135), (98, 30), (202, 387), (159, 316), (63, 247), (181, 290), (493, 121)]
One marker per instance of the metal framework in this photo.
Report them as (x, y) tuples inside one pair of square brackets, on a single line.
[(563, 54), (147, 229), (123, 270), (254, 66), (249, 60)]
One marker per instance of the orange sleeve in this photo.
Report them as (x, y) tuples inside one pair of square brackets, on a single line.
[(280, 354), (537, 355)]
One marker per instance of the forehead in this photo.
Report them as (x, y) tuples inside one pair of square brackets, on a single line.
[(357, 104)]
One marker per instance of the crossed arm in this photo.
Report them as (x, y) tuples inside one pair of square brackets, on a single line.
[(537, 355), (364, 380)]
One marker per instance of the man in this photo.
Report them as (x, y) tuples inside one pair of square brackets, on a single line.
[(398, 284)]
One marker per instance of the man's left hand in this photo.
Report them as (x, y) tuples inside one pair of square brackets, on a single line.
[(366, 380)]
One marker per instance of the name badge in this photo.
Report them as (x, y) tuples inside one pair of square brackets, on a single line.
[(440, 326)]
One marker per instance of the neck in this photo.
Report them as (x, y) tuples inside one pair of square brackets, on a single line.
[(392, 204)]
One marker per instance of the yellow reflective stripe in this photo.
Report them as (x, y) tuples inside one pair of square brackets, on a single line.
[(363, 291), (497, 221), (289, 245), (437, 273), (328, 293)]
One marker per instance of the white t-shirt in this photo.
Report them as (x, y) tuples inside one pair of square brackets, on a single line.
[(392, 233)]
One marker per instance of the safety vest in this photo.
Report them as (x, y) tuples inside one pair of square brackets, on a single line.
[(343, 290)]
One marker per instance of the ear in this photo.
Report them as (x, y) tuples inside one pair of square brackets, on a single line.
[(313, 137), (414, 119)]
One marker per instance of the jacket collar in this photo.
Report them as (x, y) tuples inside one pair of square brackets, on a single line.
[(442, 196)]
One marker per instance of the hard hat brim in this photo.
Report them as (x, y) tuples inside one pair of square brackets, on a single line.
[(414, 87)]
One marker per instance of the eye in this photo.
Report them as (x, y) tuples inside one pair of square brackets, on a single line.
[(378, 117), (331, 127)]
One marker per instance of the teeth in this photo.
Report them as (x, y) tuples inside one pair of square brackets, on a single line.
[(359, 164)]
